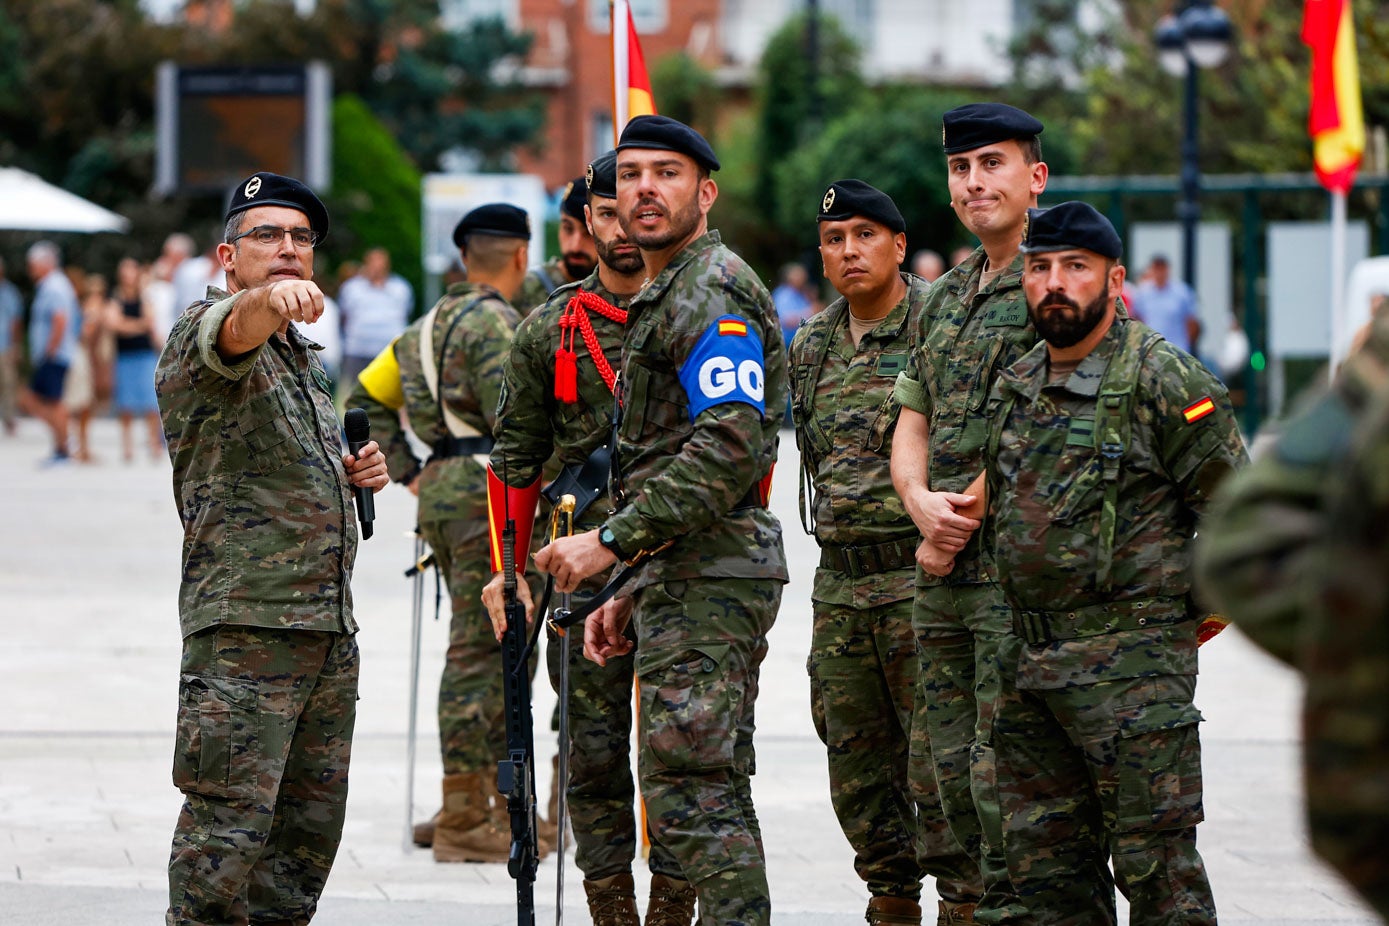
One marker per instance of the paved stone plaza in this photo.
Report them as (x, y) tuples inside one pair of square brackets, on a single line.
[(88, 679)]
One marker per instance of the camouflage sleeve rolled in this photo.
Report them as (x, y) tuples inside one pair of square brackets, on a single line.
[(209, 325), (386, 430), (524, 434)]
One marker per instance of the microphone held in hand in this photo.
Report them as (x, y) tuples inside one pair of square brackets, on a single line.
[(358, 436)]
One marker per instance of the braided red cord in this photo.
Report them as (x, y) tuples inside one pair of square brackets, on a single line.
[(575, 315)]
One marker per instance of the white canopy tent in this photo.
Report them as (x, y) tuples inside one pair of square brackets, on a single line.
[(30, 203)]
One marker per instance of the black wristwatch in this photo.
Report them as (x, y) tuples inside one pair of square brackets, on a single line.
[(606, 538)]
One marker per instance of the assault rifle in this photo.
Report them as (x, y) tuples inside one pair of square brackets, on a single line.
[(516, 773)]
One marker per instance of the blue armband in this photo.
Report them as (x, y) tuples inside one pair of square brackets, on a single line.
[(726, 365)]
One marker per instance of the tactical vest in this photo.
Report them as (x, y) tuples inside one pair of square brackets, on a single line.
[(1112, 431)]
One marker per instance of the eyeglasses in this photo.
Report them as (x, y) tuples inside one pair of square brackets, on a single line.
[(269, 235)]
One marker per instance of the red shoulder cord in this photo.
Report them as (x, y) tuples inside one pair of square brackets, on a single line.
[(575, 317)]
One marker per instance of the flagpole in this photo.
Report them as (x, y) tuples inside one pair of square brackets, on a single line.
[(621, 66), (1340, 338)]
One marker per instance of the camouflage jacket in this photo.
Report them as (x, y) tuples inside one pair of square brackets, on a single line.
[(539, 283), (1256, 550), (704, 386), (965, 337), (472, 331), (1295, 552), (532, 424), (845, 414), (269, 529), (1050, 486)]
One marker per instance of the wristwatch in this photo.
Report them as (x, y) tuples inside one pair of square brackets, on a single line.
[(606, 538)]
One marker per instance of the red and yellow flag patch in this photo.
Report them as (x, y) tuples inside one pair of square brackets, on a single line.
[(1198, 410), (734, 327)]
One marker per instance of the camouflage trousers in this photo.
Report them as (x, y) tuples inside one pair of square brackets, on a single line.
[(472, 731), (1091, 770), (261, 752), (700, 646), (863, 679), (601, 794), (959, 628)]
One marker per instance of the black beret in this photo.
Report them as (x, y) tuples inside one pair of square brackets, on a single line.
[(848, 198), (975, 125), (575, 195), (666, 134), (602, 177), (267, 189), (500, 219), (1071, 225)]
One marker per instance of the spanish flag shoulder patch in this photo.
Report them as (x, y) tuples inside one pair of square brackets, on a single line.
[(733, 326), (1198, 409)]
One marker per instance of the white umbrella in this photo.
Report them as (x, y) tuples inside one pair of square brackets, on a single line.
[(29, 203)]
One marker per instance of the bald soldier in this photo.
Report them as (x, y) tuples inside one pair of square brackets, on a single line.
[(863, 661)]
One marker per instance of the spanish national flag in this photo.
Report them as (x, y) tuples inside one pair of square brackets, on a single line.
[(1336, 120), (1198, 410), (631, 86), (733, 326)]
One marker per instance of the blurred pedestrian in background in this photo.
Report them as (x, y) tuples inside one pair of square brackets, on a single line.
[(130, 317)]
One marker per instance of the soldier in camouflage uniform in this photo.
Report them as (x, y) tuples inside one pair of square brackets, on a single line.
[(1106, 445), (704, 385), (577, 257), (563, 407), (863, 662), (1294, 553), (445, 370), (973, 325), (268, 683)]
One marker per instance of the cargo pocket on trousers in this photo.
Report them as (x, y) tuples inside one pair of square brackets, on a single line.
[(215, 736), (1159, 767), (693, 709)]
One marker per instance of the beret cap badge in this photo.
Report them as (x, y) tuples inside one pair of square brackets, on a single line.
[(252, 187), (827, 203)]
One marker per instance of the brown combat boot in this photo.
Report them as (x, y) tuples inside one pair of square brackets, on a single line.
[(612, 901), (672, 902), (893, 911), (463, 831), (424, 832), (956, 914)]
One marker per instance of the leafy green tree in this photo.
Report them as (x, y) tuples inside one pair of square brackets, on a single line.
[(376, 193), (896, 147), (448, 90), (685, 90)]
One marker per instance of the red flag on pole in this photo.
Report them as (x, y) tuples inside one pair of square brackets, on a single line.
[(1336, 121), (631, 85)]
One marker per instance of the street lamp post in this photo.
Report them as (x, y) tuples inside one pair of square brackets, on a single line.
[(1197, 36)]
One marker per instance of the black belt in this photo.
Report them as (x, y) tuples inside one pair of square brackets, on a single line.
[(462, 447), (1093, 620), (869, 559), (752, 498)]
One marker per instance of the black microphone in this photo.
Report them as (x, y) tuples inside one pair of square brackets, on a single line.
[(358, 429)]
